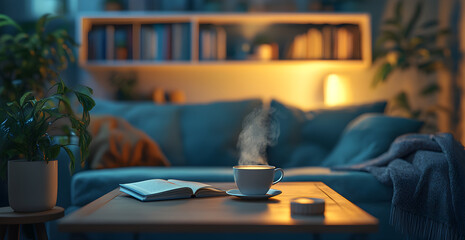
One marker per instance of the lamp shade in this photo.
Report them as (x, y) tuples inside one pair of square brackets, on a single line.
[(336, 90)]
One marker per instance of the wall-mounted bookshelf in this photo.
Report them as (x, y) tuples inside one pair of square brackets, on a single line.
[(135, 40)]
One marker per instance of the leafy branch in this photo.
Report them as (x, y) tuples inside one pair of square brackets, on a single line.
[(409, 43), (414, 44), (25, 130), (32, 61)]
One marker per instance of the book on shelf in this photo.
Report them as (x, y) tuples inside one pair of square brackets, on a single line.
[(326, 41), (220, 43), (110, 42), (167, 52), (148, 42), (212, 43), (97, 41), (160, 189), (327, 32), (314, 44), (180, 41), (160, 32), (345, 43), (357, 42)]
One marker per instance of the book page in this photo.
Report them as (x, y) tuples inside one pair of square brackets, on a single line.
[(151, 187), (200, 189)]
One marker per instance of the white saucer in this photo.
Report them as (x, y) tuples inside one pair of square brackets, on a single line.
[(237, 193)]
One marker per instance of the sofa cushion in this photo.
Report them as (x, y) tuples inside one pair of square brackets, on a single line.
[(317, 129), (368, 136), (159, 122), (358, 187), (210, 131)]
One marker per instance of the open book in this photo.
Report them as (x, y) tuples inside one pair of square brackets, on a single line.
[(160, 189)]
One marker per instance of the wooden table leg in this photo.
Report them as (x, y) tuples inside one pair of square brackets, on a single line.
[(2, 231), (13, 232), (41, 232)]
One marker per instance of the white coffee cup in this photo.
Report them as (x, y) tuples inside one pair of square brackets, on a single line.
[(255, 179)]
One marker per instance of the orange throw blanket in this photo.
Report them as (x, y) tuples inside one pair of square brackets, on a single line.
[(116, 143)]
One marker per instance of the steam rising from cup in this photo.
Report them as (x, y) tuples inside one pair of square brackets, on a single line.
[(259, 131)]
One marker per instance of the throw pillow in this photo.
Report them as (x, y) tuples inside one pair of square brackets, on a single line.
[(210, 131), (319, 129), (369, 136), (118, 144), (159, 122)]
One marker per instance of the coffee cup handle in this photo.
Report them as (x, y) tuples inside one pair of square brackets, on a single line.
[(280, 178)]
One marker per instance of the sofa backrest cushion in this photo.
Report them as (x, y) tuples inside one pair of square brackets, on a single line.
[(210, 131), (368, 136), (317, 129), (160, 122)]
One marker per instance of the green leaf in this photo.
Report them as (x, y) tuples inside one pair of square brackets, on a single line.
[(7, 21), (40, 26), (398, 11), (54, 113), (415, 114), (401, 101), (429, 66), (386, 36), (72, 159), (20, 37), (429, 24), (26, 97), (416, 15), (430, 89), (53, 152), (394, 22), (382, 74), (6, 37), (86, 101), (445, 31), (84, 90)]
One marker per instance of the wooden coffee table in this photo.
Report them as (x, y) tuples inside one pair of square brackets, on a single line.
[(117, 212)]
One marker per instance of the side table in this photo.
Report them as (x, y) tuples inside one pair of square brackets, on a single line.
[(11, 220)]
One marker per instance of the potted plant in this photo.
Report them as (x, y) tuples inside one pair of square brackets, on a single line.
[(31, 151), (31, 61), (411, 47)]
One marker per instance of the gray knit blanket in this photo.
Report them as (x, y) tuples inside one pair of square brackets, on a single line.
[(427, 174)]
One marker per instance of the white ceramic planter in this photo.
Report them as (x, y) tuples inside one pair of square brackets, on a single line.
[(32, 186)]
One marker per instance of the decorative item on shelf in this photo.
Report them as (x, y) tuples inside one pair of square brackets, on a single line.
[(121, 51), (25, 135), (160, 96), (177, 97), (113, 5), (411, 48), (47, 52), (264, 49), (125, 84)]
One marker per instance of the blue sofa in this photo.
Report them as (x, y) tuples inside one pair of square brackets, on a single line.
[(200, 143)]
